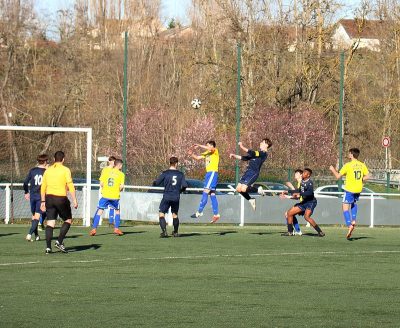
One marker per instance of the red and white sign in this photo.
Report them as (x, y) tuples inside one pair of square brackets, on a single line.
[(386, 142)]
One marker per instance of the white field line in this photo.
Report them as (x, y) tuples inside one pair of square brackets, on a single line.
[(194, 257)]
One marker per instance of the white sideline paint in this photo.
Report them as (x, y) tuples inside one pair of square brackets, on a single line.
[(194, 257)]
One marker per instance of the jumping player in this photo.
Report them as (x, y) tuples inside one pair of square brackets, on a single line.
[(174, 183), (256, 158), (34, 179), (307, 204), (112, 182), (356, 173), (211, 156), (111, 212)]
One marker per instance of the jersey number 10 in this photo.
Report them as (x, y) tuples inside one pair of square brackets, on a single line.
[(357, 175)]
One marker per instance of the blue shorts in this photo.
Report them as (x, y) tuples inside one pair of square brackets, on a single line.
[(307, 206), (249, 177), (166, 204), (35, 206), (350, 198), (105, 202), (211, 180)]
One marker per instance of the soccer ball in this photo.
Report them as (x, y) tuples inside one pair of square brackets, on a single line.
[(196, 103)]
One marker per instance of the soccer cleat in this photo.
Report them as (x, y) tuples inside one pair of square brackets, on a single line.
[(28, 237), (287, 234), (61, 247), (48, 251), (118, 232), (321, 234), (92, 232), (308, 225), (260, 191), (40, 227), (37, 238), (196, 215), (215, 218), (252, 202), (175, 234), (164, 234), (295, 233)]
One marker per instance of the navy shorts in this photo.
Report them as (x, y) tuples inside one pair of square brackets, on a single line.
[(166, 204), (249, 177), (35, 206), (307, 206)]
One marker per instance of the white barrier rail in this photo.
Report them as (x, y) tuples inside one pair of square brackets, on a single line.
[(372, 197)]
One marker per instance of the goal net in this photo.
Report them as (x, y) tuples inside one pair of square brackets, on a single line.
[(19, 148)]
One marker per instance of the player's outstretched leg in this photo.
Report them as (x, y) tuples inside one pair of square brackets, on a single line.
[(242, 189), (203, 203), (96, 221), (307, 217), (214, 203)]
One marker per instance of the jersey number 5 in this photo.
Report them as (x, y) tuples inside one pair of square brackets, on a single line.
[(174, 180)]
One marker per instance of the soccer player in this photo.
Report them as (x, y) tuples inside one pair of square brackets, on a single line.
[(56, 182), (307, 204), (211, 156), (174, 183), (34, 179), (256, 158), (112, 182), (298, 177), (356, 173), (111, 212)]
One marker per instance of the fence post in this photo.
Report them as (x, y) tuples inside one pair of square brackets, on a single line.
[(241, 211), (86, 221), (372, 211), (8, 208)]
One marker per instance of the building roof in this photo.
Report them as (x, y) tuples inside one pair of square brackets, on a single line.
[(365, 29)]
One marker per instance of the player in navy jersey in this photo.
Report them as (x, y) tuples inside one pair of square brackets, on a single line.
[(174, 183), (256, 158), (307, 204), (32, 184)]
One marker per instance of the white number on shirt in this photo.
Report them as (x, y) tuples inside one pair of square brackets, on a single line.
[(174, 181), (38, 179)]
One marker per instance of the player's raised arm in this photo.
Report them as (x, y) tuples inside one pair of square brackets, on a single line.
[(335, 173), (243, 147), (159, 181), (235, 156)]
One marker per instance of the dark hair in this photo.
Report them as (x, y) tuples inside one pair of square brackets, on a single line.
[(112, 159), (118, 161), (173, 160), (299, 171), (268, 142), (59, 156), (355, 152), (42, 158), (308, 170), (212, 143)]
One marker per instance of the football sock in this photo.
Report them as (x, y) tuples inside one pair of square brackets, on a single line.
[(354, 209), (34, 227), (63, 232), (245, 195), (96, 220), (203, 201), (41, 219), (347, 218), (163, 224), (175, 222), (296, 224), (290, 228), (111, 215), (117, 220), (214, 203), (317, 228), (49, 235)]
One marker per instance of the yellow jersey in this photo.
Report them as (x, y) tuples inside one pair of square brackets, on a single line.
[(354, 172), (112, 180), (212, 160), (105, 171), (57, 180)]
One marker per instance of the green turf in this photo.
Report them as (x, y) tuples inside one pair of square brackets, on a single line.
[(213, 276)]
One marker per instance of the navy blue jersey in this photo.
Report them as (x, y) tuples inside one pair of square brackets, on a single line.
[(256, 159), (306, 191), (173, 182), (34, 178)]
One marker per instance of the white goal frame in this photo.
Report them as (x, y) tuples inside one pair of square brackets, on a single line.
[(88, 131)]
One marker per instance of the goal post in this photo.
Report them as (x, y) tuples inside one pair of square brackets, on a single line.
[(88, 131)]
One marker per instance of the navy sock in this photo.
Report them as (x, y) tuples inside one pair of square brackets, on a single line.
[(49, 235), (63, 232), (175, 222), (245, 195), (163, 224), (34, 227)]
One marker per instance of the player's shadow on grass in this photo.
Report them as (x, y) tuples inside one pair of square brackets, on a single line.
[(357, 238), (266, 233), (310, 234), (8, 234), (133, 232), (125, 233), (81, 248), (194, 234)]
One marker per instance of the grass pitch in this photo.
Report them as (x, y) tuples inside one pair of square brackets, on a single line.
[(212, 276)]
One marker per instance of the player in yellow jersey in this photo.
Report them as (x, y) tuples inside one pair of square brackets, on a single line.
[(211, 155), (112, 182), (110, 166), (356, 173)]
